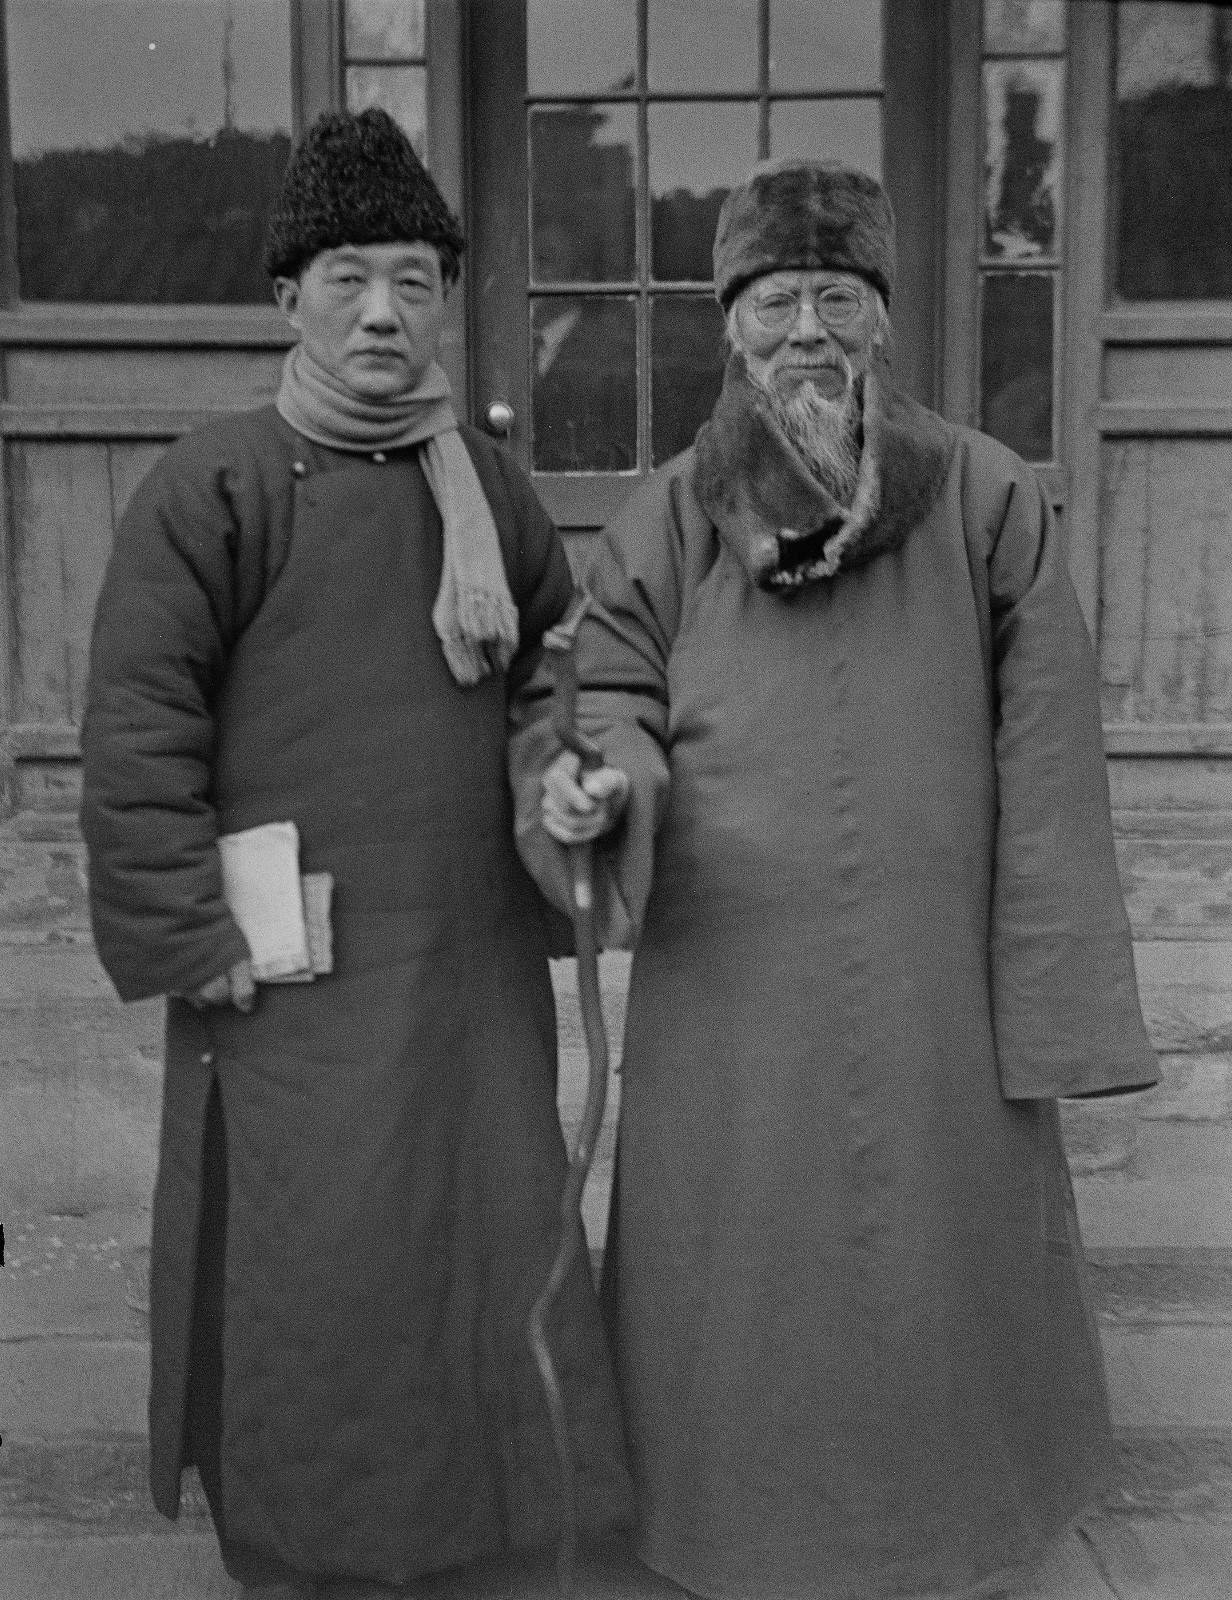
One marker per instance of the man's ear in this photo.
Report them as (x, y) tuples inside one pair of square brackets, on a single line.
[(286, 292)]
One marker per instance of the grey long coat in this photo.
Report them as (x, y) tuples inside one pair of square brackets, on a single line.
[(868, 869)]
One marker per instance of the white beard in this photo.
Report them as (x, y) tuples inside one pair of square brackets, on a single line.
[(825, 432)]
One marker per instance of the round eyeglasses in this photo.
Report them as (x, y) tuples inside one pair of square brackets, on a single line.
[(836, 307)]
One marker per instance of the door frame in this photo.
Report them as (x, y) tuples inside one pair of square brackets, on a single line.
[(915, 121)]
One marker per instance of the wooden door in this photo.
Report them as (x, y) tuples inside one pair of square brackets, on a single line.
[(605, 134)]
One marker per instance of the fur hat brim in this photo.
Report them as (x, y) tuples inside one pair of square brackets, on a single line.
[(804, 214)]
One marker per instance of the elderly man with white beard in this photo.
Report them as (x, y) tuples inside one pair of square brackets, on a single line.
[(853, 820)]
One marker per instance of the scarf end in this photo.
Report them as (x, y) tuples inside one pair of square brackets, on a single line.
[(477, 633)]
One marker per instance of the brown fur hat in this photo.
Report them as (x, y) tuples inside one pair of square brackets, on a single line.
[(804, 214), (355, 179)]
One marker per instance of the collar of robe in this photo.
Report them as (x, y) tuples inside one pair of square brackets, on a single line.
[(783, 527)]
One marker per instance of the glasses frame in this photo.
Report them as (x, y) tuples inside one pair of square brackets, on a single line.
[(821, 301)]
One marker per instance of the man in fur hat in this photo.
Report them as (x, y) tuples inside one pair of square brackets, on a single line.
[(854, 820), (314, 615)]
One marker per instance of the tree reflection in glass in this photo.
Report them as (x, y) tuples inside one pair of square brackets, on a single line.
[(696, 152), (1023, 101), (1174, 134), (149, 144)]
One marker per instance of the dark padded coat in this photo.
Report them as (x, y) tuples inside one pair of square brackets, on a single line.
[(376, 1206)]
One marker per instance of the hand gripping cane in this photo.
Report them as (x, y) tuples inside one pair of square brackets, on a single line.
[(559, 642)]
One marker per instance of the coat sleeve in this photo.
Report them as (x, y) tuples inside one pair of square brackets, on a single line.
[(1065, 999), (157, 656), (635, 589)]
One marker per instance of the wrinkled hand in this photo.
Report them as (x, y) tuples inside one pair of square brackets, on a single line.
[(236, 987), (579, 809)]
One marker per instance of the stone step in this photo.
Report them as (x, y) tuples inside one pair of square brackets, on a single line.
[(172, 1565), (1166, 1213), (77, 1521), (1191, 1562)]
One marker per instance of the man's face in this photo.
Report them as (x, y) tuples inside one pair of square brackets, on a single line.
[(370, 314), (807, 325)]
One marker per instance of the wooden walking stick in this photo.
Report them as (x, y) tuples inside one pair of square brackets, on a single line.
[(559, 642)]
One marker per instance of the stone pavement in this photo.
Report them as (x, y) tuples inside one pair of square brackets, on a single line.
[(1194, 1562)]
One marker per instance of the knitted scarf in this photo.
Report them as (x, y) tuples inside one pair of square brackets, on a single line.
[(474, 614)]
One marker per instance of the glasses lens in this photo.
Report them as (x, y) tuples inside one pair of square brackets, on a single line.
[(773, 310), (838, 306)]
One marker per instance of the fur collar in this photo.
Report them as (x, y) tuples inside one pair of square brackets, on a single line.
[(774, 516)]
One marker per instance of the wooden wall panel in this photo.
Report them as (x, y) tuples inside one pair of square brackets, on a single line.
[(1165, 649), (183, 379), (59, 538), (1177, 374)]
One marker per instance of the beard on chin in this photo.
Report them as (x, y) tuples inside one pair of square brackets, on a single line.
[(825, 432)]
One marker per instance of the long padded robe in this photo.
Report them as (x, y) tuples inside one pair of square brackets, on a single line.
[(867, 869), (376, 1201)]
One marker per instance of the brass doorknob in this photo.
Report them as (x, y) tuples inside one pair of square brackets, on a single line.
[(498, 418)]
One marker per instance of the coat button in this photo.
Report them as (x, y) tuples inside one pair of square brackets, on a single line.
[(207, 1060), (299, 469), (379, 457)]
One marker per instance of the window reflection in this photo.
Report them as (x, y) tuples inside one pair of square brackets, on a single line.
[(1026, 27), (149, 144), (583, 200), (825, 47), (580, 46), (1174, 132), (402, 91), (1016, 362), (696, 153), (583, 384), (848, 131), (384, 29), (687, 354), (698, 45), (1023, 107)]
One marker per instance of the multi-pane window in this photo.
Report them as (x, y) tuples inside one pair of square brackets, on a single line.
[(641, 114), (149, 140), (386, 62), (1173, 135), (1021, 234)]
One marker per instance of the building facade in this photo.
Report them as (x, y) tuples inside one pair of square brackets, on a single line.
[(1062, 178)]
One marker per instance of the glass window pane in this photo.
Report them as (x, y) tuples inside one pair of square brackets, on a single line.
[(1023, 27), (1016, 362), (580, 46), (149, 144), (384, 29), (1174, 131), (702, 45), (402, 91), (848, 131), (1023, 105), (697, 152), (687, 356), (583, 384), (825, 47), (582, 193)]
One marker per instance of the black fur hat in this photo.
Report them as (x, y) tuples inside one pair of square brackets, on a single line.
[(355, 179), (804, 214)]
